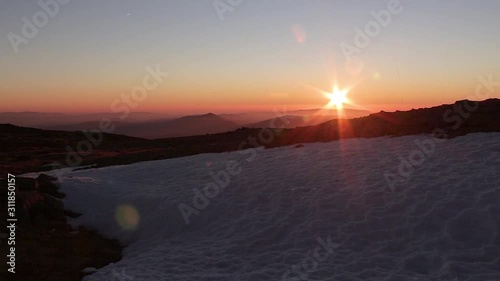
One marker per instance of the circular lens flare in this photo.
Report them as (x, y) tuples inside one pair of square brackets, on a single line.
[(127, 217)]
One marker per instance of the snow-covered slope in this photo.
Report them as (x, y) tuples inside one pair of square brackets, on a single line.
[(320, 212)]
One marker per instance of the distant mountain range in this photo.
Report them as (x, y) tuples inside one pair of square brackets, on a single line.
[(302, 118), (151, 126), (42, 119), (26, 150), (184, 126)]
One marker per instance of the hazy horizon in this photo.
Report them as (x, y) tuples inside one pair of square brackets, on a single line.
[(195, 111)]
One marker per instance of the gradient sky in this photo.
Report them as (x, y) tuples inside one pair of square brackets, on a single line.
[(264, 54)]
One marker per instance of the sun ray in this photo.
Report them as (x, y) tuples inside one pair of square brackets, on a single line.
[(337, 97)]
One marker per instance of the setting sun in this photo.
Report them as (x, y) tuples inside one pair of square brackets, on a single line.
[(337, 97)]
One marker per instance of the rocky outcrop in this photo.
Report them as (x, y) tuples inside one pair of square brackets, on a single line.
[(47, 247)]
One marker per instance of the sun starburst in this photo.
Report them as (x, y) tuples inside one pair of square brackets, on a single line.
[(337, 97)]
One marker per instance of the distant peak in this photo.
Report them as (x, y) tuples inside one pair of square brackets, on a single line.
[(201, 116), (209, 114)]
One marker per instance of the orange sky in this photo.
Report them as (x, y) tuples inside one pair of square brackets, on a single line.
[(265, 56)]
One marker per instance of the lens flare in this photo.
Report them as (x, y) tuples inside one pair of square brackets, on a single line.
[(127, 217), (299, 33)]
